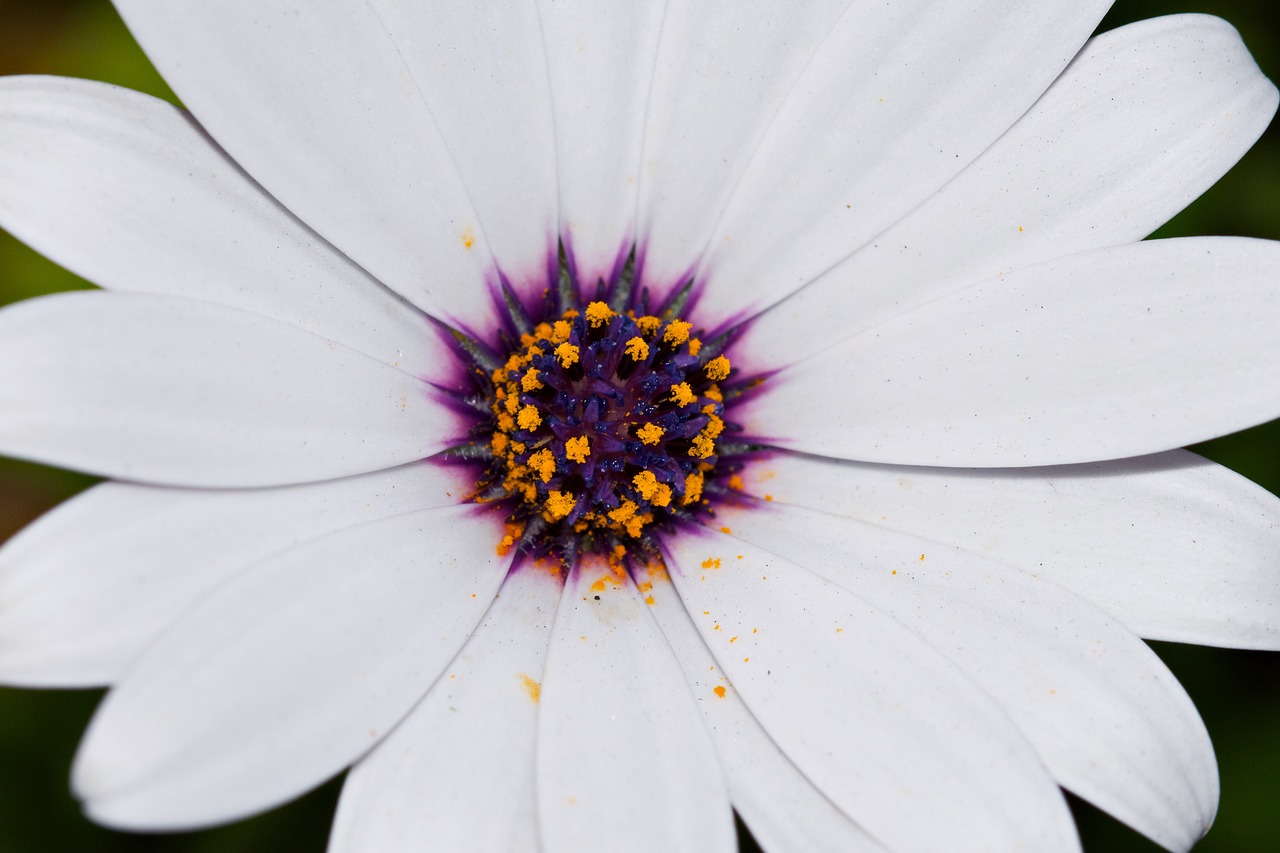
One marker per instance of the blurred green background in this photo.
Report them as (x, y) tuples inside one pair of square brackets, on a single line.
[(1238, 693)]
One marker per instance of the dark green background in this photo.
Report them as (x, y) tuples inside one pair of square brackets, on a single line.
[(1238, 693)]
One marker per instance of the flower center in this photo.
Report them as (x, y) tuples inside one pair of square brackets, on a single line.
[(604, 423)]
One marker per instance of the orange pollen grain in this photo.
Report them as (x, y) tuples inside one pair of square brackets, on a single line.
[(543, 464), (529, 418), (648, 325), (578, 449), (703, 447), (637, 349), (558, 505), (598, 313), (692, 489), (650, 433), (677, 332), (568, 354), (717, 368)]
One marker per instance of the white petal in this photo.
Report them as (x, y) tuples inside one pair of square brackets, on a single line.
[(86, 588), (1173, 546), (723, 69), (600, 59), (458, 772), (170, 390), (1107, 717), (1111, 353), (481, 69), (885, 726), (623, 753), (128, 192), (781, 806), (1145, 119), (288, 673), (322, 107), (900, 97)]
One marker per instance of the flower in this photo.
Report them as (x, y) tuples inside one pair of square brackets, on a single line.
[(911, 234)]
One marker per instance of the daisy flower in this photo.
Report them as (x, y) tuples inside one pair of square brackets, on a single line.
[(587, 420)]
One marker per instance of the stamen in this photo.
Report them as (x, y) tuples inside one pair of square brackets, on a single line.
[(598, 313), (558, 505), (650, 433), (568, 355), (677, 332), (717, 368), (682, 394), (529, 418), (577, 449), (637, 349)]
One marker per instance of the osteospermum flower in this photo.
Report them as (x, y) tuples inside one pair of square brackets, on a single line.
[(585, 421)]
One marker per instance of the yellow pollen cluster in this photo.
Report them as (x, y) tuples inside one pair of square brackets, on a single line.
[(598, 313), (648, 325), (577, 449), (637, 349), (717, 368), (543, 463), (558, 505), (529, 418), (568, 355), (677, 332), (650, 433), (682, 394), (692, 489), (659, 494)]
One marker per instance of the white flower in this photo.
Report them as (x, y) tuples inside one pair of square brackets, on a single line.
[(932, 230)]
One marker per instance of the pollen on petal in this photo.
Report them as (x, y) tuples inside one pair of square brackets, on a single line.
[(577, 449), (531, 382), (650, 433)]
